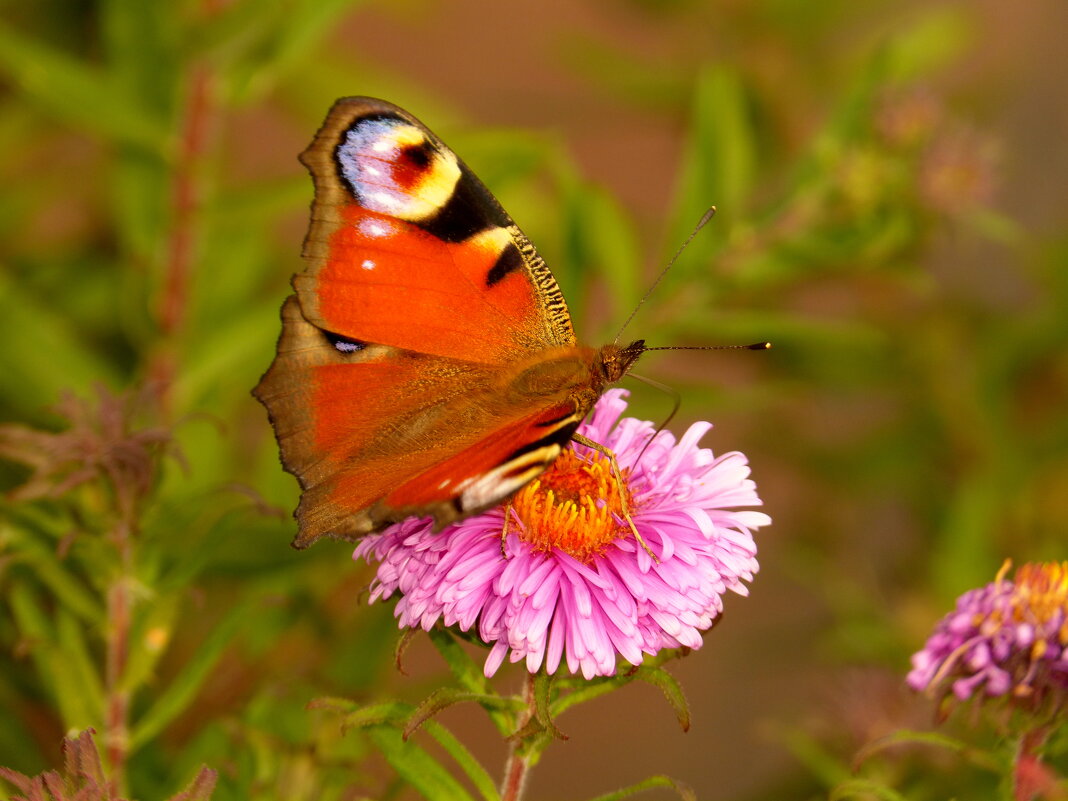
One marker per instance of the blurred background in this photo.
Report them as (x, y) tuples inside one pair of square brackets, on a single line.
[(892, 186)]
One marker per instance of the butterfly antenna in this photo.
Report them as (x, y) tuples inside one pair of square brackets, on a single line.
[(708, 215), (676, 399), (754, 346)]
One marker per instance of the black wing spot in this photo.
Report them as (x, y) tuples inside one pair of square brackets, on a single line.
[(469, 210), (419, 156), (509, 261), (343, 344)]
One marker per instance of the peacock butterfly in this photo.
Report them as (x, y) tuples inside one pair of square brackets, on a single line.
[(427, 363)]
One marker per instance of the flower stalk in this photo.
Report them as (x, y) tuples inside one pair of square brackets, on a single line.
[(116, 735), (517, 767)]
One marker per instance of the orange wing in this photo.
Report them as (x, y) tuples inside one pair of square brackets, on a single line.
[(427, 363), (408, 248)]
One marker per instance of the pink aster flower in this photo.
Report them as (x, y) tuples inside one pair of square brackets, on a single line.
[(573, 585), (1007, 638)]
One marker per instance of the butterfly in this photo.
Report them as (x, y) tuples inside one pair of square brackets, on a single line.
[(427, 364)]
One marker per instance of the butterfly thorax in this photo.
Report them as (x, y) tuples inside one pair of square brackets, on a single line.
[(602, 368)]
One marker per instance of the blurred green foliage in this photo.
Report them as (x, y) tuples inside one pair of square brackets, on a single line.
[(918, 421)]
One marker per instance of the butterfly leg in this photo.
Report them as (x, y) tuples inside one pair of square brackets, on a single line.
[(504, 530), (618, 474)]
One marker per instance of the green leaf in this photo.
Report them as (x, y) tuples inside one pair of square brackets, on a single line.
[(182, 691), (293, 28), (140, 187), (444, 697), (78, 93), (80, 670), (672, 691), (386, 712), (587, 692), (464, 669), (55, 574), (208, 364), (36, 631), (937, 40), (864, 789), (141, 41), (417, 767), (200, 788), (468, 674), (978, 757), (684, 790), (483, 781), (617, 69), (612, 248), (333, 703), (149, 637), (719, 161), (26, 380), (543, 711), (964, 554), (816, 758)]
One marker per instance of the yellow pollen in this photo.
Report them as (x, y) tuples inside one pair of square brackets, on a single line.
[(574, 506), (1041, 594)]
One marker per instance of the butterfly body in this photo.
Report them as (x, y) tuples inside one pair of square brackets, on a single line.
[(427, 363)]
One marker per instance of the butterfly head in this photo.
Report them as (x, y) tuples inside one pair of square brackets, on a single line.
[(616, 360)]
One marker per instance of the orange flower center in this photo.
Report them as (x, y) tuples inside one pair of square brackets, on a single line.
[(1043, 590), (1039, 595), (574, 506)]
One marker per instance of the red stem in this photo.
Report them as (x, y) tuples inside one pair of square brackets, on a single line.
[(116, 657), (184, 204), (185, 201), (1031, 778), (517, 767)]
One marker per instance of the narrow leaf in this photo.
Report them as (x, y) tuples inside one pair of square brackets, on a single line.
[(718, 164), (330, 703), (26, 380), (182, 692), (55, 575), (684, 790), (463, 668), (587, 692), (77, 93), (80, 670), (543, 705), (445, 697), (468, 675), (417, 767), (390, 712), (672, 691), (977, 757), (201, 788), (36, 632), (484, 783), (864, 789)]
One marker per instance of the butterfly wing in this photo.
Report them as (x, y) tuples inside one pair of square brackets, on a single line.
[(427, 363), (408, 248)]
